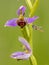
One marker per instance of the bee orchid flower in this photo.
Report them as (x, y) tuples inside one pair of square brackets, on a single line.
[(21, 20), (22, 55)]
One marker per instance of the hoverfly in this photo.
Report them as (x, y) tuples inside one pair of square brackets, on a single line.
[(39, 28)]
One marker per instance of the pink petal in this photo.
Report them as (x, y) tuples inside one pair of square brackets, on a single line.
[(30, 20), (20, 55), (11, 22), (21, 8)]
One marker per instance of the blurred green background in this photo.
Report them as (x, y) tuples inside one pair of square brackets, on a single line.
[(9, 35)]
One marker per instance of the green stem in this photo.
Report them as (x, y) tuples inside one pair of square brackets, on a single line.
[(33, 59), (31, 34), (32, 10), (32, 7), (29, 4), (26, 32)]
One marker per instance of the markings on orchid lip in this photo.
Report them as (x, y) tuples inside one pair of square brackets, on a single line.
[(21, 23)]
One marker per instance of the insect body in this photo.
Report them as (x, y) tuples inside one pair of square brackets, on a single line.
[(38, 28)]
